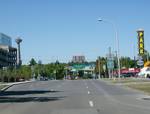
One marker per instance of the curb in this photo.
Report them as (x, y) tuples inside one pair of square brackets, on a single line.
[(8, 86), (5, 88)]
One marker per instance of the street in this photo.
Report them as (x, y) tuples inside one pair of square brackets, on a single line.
[(72, 97)]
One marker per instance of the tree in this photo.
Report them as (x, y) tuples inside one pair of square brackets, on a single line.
[(146, 56), (60, 69), (32, 62), (127, 62), (100, 62)]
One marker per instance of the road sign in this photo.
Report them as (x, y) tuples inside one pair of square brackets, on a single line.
[(110, 64), (139, 58), (140, 62), (141, 41)]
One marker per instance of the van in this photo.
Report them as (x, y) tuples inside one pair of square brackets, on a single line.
[(145, 72)]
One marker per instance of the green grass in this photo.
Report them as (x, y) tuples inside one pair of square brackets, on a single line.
[(145, 87), (138, 84), (126, 80), (2, 86)]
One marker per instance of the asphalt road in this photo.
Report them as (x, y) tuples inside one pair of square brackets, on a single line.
[(72, 97)]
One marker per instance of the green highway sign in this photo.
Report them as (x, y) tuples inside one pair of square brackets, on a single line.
[(110, 64)]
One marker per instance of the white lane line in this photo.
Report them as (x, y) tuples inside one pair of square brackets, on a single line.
[(52, 90), (87, 87), (91, 104), (88, 92)]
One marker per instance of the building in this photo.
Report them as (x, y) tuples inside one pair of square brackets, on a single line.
[(8, 54), (78, 59), (5, 40), (81, 70)]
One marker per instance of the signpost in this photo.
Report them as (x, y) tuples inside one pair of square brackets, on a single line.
[(141, 41), (140, 62), (110, 62)]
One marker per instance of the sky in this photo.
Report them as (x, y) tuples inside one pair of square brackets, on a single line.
[(59, 29)]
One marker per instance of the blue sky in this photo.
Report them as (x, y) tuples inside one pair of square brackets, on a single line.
[(59, 29)]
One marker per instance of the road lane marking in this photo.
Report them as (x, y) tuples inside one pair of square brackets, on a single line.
[(88, 92), (91, 104), (87, 87), (52, 90)]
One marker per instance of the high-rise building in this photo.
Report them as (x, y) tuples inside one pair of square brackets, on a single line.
[(8, 54), (5, 40), (78, 59)]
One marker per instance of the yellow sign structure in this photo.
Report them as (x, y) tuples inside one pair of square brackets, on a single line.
[(147, 64), (141, 42)]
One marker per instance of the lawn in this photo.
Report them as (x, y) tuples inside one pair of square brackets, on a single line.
[(134, 83), (127, 80), (2, 86), (145, 87)]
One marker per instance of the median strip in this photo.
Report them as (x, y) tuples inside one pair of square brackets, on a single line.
[(145, 87), (133, 83), (5, 86)]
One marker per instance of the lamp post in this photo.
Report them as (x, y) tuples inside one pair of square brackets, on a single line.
[(117, 41)]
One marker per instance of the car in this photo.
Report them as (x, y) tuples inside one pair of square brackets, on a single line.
[(145, 72), (127, 75)]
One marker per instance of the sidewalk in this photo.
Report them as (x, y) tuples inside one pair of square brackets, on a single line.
[(8, 85)]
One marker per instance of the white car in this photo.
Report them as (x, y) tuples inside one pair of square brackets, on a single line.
[(145, 72)]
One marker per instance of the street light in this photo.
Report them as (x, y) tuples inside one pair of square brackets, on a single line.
[(117, 41)]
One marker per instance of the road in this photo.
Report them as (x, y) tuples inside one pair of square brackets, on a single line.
[(72, 97)]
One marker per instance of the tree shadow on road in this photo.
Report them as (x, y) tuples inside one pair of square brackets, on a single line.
[(28, 99), (9, 93), (32, 96)]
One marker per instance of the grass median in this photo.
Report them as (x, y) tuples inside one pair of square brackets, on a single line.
[(2, 86), (134, 83), (145, 87), (126, 80)]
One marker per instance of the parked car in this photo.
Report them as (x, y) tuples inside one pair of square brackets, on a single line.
[(145, 72), (127, 75)]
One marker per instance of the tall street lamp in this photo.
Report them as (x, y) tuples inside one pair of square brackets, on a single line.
[(117, 41)]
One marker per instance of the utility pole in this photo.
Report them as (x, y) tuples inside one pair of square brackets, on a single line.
[(99, 69), (147, 56), (109, 71)]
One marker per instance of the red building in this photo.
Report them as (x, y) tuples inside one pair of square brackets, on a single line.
[(128, 70)]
